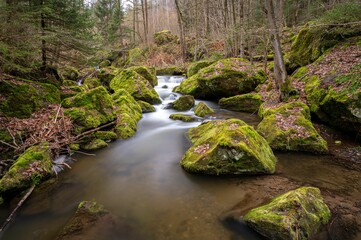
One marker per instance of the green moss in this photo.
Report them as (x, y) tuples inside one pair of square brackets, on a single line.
[(228, 147), (105, 135), (195, 67), (135, 85), (224, 78), (90, 109), (182, 117), (20, 98), (146, 107), (105, 75), (164, 37), (92, 82), (297, 214), (285, 109), (68, 73), (126, 126), (95, 144), (146, 73), (184, 103), (135, 55), (74, 146), (170, 70), (105, 63), (300, 73), (202, 110), (244, 103), (34, 165), (69, 83)]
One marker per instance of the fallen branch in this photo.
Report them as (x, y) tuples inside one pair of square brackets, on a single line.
[(8, 144), (21, 202), (80, 136)]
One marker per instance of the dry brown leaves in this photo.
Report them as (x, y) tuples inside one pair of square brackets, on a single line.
[(233, 126), (202, 148), (287, 123), (49, 124)]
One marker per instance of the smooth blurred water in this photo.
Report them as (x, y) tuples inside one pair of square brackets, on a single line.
[(140, 180)]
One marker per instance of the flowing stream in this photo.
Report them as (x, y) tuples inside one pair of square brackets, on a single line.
[(140, 180)]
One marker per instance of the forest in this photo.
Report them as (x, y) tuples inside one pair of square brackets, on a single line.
[(180, 119)]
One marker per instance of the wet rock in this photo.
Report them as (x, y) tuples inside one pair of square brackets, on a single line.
[(136, 85), (297, 214), (20, 98), (184, 103), (34, 165), (202, 110), (182, 117), (128, 114), (228, 147), (89, 109), (146, 73), (243, 103), (225, 78), (92, 221), (95, 144), (165, 86), (287, 127), (146, 107), (195, 67)]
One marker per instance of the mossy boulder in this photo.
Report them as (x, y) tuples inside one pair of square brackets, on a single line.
[(298, 214), (164, 37), (105, 135), (20, 98), (243, 103), (182, 117), (92, 82), (105, 75), (146, 73), (135, 55), (70, 91), (225, 78), (228, 147), (95, 144), (171, 70), (285, 109), (89, 109), (68, 73), (202, 110), (146, 107), (128, 114), (183, 103), (195, 67), (104, 63), (313, 41), (33, 166), (136, 85), (287, 128), (69, 83)]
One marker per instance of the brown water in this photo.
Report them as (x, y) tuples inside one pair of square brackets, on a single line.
[(140, 180)]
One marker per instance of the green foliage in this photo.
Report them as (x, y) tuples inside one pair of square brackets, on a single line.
[(343, 13)]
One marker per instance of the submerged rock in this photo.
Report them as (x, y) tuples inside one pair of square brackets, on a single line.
[(225, 78), (20, 98), (182, 117), (146, 107), (136, 85), (202, 110), (228, 147), (287, 128), (184, 103), (89, 109), (297, 214), (243, 103), (34, 165)]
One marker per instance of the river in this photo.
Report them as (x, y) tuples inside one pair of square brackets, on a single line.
[(140, 180)]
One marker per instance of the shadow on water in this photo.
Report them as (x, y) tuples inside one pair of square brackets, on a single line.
[(140, 181)]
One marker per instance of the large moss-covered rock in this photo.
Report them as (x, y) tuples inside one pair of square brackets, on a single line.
[(34, 165), (228, 147), (128, 114), (136, 85), (333, 92), (313, 41), (164, 37), (244, 103), (297, 214), (20, 98), (146, 107), (68, 73), (225, 78), (195, 67), (171, 70), (146, 73), (202, 109), (92, 82), (182, 117), (105, 75), (286, 128), (89, 109), (184, 103)]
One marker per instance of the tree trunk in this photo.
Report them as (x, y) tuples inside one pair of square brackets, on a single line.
[(279, 66), (242, 33), (43, 41), (181, 30)]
